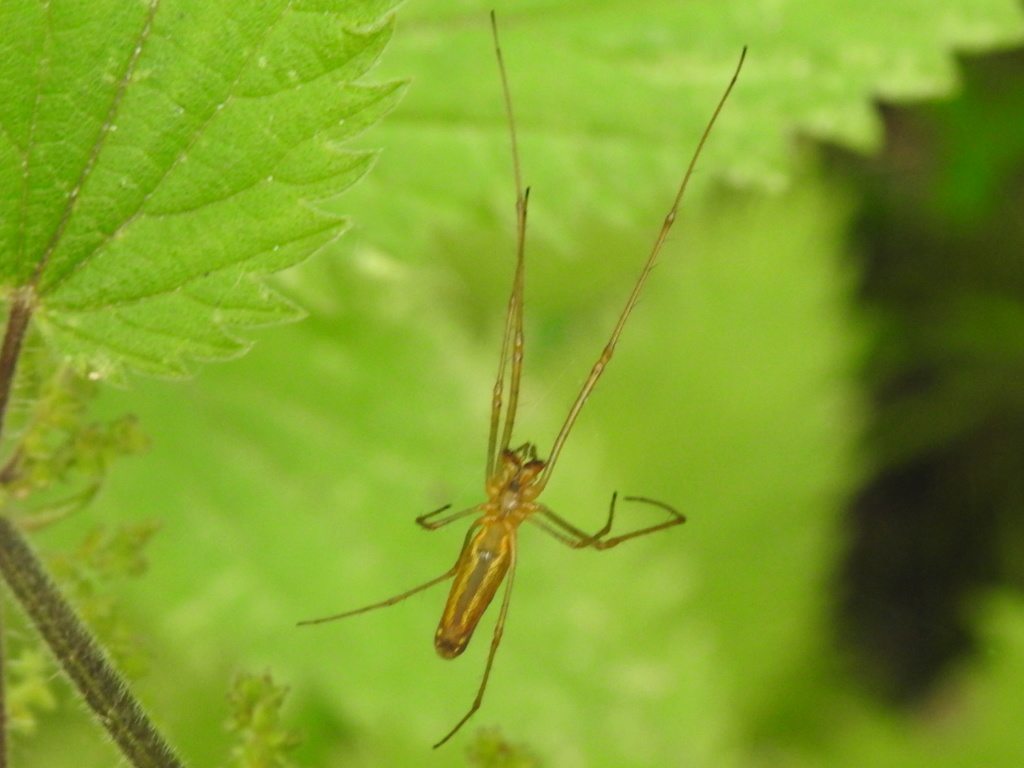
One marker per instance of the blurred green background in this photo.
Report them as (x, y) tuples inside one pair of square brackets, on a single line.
[(825, 373)]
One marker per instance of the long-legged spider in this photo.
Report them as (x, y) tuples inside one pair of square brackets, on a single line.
[(515, 477)]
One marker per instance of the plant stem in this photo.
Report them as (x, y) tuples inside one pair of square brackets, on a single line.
[(3, 694), (72, 645), (81, 657), (22, 304)]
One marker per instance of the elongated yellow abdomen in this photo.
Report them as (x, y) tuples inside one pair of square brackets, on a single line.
[(483, 563)]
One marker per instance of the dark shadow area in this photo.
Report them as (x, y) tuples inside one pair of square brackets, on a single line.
[(940, 244)]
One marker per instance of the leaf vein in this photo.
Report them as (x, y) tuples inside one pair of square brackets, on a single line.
[(90, 163), (183, 152)]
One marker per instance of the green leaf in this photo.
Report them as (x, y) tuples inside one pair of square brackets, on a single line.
[(156, 160), (610, 101)]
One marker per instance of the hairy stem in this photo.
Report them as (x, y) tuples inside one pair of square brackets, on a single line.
[(82, 659), (22, 303)]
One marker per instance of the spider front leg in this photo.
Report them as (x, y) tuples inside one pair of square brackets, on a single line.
[(571, 536), (424, 521)]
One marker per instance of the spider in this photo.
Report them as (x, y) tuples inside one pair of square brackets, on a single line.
[(515, 477)]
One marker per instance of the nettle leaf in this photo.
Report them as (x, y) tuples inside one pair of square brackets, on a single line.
[(157, 160)]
